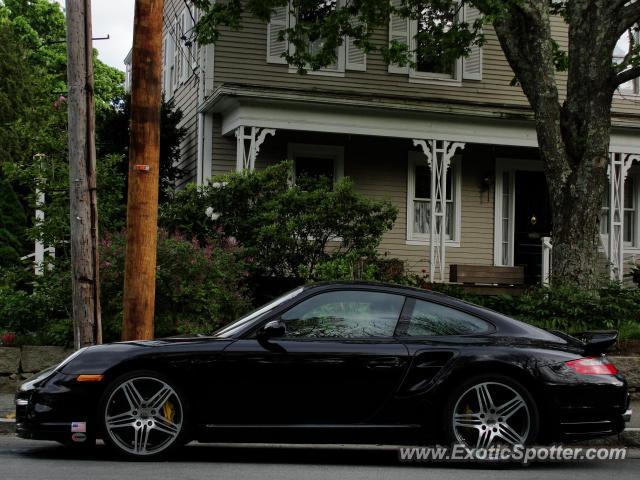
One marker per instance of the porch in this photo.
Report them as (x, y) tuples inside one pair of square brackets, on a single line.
[(483, 177)]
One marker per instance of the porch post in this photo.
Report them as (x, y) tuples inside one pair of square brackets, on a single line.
[(439, 154), (619, 164), (248, 142)]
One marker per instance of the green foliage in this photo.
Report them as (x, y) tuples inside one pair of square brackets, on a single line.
[(346, 267), (12, 226), (565, 308), (330, 23), (111, 181), (199, 287), (285, 230), (635, 274), (30, 305), (33, 137), (113, 138)]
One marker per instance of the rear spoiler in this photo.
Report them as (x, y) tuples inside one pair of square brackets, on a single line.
[(597, 341), (593, 342)]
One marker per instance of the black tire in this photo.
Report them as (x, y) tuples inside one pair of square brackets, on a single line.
[(458, 392), (114, 440)]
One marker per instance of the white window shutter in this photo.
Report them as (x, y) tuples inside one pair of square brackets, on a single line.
[(184, 60), (165, 63), (472, 65), (276, 47), (189, 50), (355, 57), (170, 64), (192, 37), (175, 49), (398, 31)]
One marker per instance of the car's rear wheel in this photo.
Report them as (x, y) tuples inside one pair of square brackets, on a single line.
[(143, 415), (491, 410)]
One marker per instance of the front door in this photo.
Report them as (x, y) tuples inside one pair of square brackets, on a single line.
[(532, 222), (337, 364)]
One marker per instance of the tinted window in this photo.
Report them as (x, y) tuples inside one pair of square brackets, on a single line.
[(345, 314), (429, 319)]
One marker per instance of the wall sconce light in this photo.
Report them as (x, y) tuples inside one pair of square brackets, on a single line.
[(486, 184)]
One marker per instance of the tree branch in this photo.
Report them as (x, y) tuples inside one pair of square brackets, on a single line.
[(619, 4), (628, 17), (524, 33), (627, 75)]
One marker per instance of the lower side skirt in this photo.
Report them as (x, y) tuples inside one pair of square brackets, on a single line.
[(370, 434)]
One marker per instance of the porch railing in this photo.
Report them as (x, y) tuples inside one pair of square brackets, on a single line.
[(547, 248)]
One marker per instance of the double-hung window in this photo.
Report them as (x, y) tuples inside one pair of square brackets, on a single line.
[(317, 162), (626, 43), (427, 56), (348, 55), (419, 200), (178, 50)]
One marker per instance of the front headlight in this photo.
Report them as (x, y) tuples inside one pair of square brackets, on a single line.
[(46, 373), (38, 377)]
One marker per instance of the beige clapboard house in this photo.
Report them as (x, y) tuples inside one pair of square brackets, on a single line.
[(450, 145)]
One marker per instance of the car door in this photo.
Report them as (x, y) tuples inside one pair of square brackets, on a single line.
[(336, 364), (434, 334)]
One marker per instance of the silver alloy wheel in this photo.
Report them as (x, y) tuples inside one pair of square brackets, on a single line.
[(143, 416), (489, 414)]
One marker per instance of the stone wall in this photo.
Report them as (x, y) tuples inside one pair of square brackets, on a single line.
[(630, 368), (19, 363)]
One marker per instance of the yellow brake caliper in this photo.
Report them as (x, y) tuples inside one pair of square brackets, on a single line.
[(168, 411)]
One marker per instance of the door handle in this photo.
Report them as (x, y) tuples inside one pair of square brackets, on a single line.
[(383, 363)]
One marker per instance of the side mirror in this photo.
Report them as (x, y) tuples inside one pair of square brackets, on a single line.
[(272, 329)]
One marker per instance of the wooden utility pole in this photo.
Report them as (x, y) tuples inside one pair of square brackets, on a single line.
[(144, 165), (82, 176)]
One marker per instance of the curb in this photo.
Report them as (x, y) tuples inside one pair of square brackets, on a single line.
[(7, 426), (630, 437)]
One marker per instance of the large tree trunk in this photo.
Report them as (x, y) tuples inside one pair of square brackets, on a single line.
[(573, 136)]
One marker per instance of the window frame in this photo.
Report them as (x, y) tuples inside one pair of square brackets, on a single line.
[(334, 152), (415, 158), (278, 316), (433, 77), (407, 311), (342, 64), (635, 81)]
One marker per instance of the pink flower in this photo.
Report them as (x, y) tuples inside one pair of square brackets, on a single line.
[(8, 338)]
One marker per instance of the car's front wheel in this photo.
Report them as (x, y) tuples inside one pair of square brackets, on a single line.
[(491, 410), (144, 415)]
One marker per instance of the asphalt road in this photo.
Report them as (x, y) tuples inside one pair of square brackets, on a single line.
[(30, 460)]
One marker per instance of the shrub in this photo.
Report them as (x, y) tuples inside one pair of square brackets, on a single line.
[(199, 287), (635, 274), (12, 226), (566, 308), (285, 230)]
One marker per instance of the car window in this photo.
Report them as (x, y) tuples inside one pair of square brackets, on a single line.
[(429, 319), (344, 314)]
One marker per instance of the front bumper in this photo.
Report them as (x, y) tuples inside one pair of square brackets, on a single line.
[(48, 410)]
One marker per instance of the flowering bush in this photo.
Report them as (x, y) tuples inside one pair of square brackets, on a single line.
[(7, 339), (199, 284), (199, 287)]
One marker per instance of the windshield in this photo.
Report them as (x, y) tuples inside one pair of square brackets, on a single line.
[(233, 328)]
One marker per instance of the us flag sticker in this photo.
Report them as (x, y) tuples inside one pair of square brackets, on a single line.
[(78, 427)]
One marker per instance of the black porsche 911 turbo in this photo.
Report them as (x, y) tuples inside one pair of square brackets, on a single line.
[(335, 362)]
